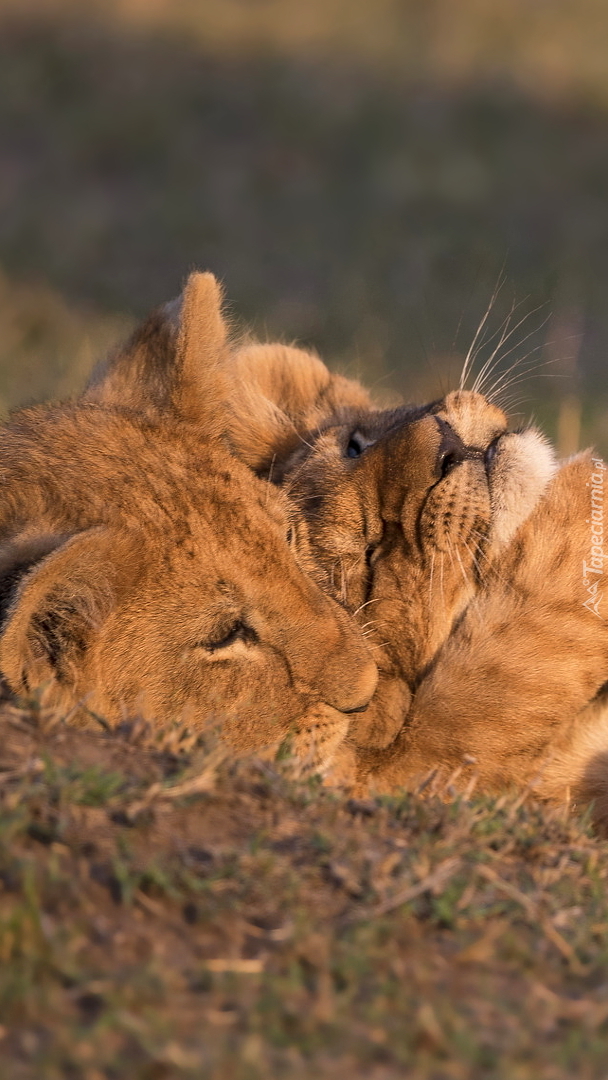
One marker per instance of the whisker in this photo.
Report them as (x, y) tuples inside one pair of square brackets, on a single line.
[(464, 307), (505, 333), (510, 404), (473, 558), (531, 366), (303, 440), (516, 380), (431, 578), (295, 497), (376, 600), (491, 563), (269, 481), (537, 348), (468, 360), (343, 580), (484, 373), (464, 573), (529, 371)]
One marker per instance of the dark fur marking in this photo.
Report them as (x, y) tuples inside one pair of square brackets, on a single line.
[(10, 583)]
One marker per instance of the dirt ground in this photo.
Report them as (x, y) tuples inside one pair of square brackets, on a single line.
[(165, 912)]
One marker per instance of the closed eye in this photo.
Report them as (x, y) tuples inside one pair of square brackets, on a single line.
[(239, 631)]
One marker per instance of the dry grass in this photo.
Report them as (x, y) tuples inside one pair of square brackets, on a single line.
[(256, 928)]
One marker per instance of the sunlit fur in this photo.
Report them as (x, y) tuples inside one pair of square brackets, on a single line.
[(401, 546), (145, 570), (469, 587)]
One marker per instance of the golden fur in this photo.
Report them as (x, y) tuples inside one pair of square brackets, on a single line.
[(265, 433), (510, 686), (144, 570), (460, 550)]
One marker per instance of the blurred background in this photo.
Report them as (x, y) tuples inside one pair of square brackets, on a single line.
[(361, 173)]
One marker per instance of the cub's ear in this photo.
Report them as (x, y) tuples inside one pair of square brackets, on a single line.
[(280, 393), (175, 362), (55, 591)]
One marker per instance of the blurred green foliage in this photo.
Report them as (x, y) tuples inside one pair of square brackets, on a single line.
[(358, 174)]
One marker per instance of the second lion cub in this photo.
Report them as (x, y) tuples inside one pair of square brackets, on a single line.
[(460, 547)]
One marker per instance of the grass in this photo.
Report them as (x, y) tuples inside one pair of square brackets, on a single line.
[(264, 928)]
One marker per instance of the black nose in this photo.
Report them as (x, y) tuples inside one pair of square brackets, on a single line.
[(452, 451)]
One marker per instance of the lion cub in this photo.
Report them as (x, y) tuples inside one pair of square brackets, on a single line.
[(145, 570), (461, 550)]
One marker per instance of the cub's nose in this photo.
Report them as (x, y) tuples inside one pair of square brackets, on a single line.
[(451, 451), (356, 694)]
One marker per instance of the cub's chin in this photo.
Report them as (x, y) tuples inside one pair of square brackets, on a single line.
[(523, 465)]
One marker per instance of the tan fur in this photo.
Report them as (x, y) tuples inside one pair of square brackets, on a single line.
[(144, 570), (281, 393), (166, 369), (468, 585), (511, 684), (472, 587), (399, 544)]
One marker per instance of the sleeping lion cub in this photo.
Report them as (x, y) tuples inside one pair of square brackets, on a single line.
[(144, 570), (469, 560)]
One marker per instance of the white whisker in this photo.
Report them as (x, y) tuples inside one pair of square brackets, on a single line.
[(464, 573), (502, 380), (303, 440), (376, 600), (473, 558), (503, 333), (484, 373), (468, 360), (491, 564)]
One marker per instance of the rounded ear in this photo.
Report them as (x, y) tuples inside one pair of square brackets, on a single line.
[(174, 362), (56, 591), (280, 394)]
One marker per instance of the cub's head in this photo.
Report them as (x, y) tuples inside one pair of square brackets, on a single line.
[(144, 570), (406, 510)]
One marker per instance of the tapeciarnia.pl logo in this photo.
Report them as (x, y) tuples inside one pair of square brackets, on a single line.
[(594, 568)]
